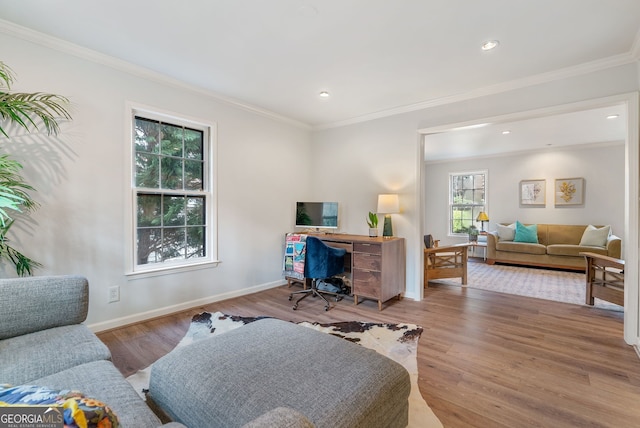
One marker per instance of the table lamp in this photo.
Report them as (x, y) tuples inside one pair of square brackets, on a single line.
[(482, 218), (388, 204)]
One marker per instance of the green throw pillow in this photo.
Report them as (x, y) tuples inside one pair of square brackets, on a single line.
[(527, 234)]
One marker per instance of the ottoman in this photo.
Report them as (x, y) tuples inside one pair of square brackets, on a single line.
[(231, 379)]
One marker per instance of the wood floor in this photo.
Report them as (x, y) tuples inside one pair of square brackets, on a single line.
[(485, 359)]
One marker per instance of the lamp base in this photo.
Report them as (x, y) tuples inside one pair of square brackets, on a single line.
[(387, 229)]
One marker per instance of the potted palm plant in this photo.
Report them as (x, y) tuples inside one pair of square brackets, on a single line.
[(372, 221), (28, 111)]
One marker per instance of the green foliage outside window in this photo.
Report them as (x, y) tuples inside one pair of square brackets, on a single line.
[(169, 174), (467, 201)]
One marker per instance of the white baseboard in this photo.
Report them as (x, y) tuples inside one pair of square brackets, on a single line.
[(412, 296), (143, 316)]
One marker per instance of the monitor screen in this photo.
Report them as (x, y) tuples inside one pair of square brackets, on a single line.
[(317, 214)]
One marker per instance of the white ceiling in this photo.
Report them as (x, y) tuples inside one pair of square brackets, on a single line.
[(375, 57), (583, 127)]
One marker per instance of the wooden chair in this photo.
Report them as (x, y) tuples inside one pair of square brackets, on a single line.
[(445, 262), (605, 278)]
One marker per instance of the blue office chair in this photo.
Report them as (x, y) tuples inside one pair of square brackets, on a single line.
[(321, 261)]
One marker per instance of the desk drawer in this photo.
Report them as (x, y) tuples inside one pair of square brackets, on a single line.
[(368, 286), (346, 245), (367, 261), (363, 276), (362, 247)]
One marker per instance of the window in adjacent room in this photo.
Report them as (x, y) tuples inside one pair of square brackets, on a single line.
[(172, 192), (467, 198)]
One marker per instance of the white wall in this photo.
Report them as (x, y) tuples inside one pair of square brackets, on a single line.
[(80, 178), (381, 155), (354, 164), (602, 167)]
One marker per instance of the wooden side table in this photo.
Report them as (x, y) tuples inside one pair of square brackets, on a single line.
[(483, 245)]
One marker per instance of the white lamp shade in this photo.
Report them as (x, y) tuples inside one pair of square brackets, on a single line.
[(388, 204)]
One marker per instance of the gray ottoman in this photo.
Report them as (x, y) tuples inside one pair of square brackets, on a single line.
[(232, 379)]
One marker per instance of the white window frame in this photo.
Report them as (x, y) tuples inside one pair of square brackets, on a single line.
[(451, 202), (209, 191)]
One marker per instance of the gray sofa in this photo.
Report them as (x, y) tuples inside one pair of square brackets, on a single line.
[(43, 342)]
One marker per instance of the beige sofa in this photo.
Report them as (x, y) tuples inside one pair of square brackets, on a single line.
[(558, 247)]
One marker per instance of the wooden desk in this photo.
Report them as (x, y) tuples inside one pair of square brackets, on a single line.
[(446, 262), (377, 265)]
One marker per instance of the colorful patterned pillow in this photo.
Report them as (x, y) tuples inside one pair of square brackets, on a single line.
[(79, 411)]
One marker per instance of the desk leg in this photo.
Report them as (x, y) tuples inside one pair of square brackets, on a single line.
[(379, 305), (465, 259), (355, 299)]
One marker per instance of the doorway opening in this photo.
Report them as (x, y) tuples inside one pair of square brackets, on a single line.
[(551, 141)]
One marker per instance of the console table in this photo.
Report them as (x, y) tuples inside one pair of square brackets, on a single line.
[(377, 265)]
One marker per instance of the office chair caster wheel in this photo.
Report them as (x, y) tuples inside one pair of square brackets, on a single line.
[(326, 308), (290, 298), (295, 307)]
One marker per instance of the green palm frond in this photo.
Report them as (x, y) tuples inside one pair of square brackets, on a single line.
[(13, 189), (24, 109), (29, 111), (23, 264), (6, 76)]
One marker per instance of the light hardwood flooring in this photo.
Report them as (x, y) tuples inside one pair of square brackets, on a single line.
[(485, 359)]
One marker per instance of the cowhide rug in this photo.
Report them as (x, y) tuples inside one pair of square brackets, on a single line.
[(396, 341)]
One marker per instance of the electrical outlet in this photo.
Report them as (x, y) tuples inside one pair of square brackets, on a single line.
[(114, 294)]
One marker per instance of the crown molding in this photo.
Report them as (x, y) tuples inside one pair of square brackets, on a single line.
[(581, 69), (635, 48), (55, 43)]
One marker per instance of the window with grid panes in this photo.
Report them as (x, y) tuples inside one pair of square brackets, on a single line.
[(467, 198), (172, 191)]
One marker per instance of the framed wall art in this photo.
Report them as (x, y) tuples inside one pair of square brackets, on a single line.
[(533, 193), (569, 191)]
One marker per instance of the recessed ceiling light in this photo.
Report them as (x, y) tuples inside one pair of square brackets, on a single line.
[(324, 94), (506, 132), (491, 44), (613, 116)]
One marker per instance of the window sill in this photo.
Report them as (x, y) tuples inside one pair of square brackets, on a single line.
[(170, 270)]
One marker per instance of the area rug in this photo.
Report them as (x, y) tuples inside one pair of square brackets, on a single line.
[(558, 285), (396, 341)]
